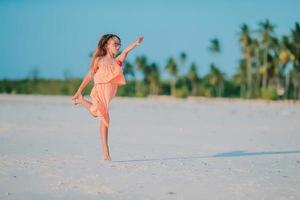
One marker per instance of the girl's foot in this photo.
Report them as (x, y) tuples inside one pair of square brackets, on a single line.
[(106, 157), (78, 100)]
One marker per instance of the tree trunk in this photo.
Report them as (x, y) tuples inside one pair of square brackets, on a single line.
[(249, 72), (194, 89), (265, 74), (173, 87)]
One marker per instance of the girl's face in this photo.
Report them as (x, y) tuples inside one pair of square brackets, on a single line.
[(113, 45)]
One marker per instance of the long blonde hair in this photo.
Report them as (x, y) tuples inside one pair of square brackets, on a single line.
[(101, 50)]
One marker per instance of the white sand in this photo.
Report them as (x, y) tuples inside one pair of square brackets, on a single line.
[(161, 148)]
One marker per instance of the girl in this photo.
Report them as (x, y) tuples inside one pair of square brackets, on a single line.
[(106, 71)]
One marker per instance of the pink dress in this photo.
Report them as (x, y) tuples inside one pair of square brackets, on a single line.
[(106, 81)]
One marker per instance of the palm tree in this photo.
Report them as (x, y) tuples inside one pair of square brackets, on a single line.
[(295, 58), (256, 79), (172, 69), (216, 80), (295, 38), (142, 66), (193, 77), (214, 46), (246, 46), (266, 33), (216, 77), (240, 78), (285, 56), (153, 78), (182, 58)]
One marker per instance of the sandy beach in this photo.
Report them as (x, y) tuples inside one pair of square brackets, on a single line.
[(161, 148)]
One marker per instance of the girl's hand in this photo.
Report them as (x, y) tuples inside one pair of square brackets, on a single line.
[(134, 44), (139, 41)]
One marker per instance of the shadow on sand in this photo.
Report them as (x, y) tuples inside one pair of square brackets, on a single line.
[(218, 155)]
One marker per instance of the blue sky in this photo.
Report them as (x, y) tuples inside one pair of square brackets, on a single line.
[(57, 36)]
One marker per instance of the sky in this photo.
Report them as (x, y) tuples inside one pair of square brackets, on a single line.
[(55, 37)]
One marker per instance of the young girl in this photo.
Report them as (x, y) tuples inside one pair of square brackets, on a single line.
[(106, 71)]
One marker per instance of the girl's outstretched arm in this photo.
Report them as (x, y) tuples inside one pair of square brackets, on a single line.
[(124, 53)]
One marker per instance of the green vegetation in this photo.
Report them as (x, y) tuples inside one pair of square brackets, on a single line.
[(269, 68)]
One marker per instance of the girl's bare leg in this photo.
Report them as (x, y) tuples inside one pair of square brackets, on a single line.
[(104, 137), (103, 129)]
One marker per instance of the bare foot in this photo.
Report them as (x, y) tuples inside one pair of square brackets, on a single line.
[(78, 100), (106, 157)]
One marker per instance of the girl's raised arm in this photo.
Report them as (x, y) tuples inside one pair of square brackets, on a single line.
[(124, 53)]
